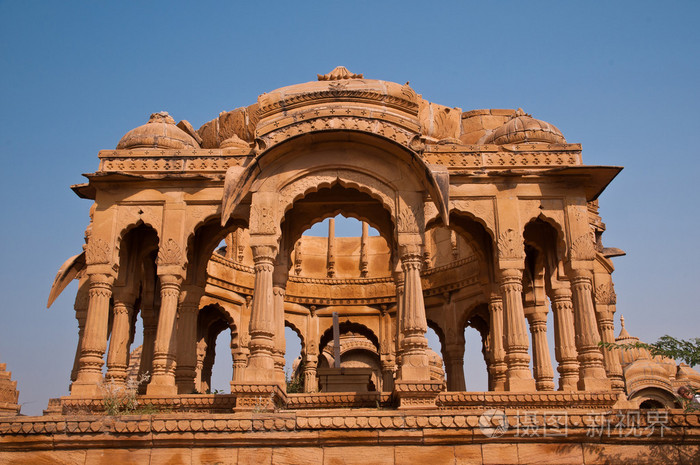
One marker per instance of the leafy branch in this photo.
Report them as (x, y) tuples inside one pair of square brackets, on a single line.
[(687, 351)]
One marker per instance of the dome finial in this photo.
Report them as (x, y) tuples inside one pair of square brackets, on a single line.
[(340, 72), (623, 332)]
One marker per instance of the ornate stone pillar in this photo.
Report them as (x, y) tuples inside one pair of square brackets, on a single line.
[(261, 364), (592, 375), (564, 345), (150, 325), (311, 356), (185, 372), (454, 366), (310, 379), (388, 370), (164, 351), (387, 350), (240, 360), (279, 289), (95, 338), (330, 264), (414, 359), (81, 305), (498, 362), (542, 366), (364, 250), (117, 357), (605, 300), (518, 376)]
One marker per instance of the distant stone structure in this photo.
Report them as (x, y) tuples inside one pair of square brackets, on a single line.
[(486, 218), (9, 395)]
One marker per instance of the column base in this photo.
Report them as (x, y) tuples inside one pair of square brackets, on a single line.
[(568, 384), (520, 384), (417, 394), (84, 389), (594, 384), (161, 390), (256, 398)]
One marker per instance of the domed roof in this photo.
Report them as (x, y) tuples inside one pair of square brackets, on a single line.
[(159, 132), (339, 85), (523, 128)]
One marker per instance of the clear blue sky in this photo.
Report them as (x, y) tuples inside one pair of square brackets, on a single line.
[(619, 77)]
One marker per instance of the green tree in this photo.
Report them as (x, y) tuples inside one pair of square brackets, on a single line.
[(684, 350)]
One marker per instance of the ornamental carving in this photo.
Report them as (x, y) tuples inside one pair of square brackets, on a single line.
[(262, 219), (583, 248), (410, 218), (510, 245), (605, 294), (169, 253), (98, 252), (339, 122)]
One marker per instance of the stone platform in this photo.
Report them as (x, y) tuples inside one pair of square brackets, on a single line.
[(357, 436)]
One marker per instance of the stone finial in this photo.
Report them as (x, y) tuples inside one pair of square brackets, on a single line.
[(340, 72), (623, 332), (161, 117)]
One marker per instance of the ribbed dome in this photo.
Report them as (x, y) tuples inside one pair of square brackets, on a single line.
[(524, 128), (159, 132)]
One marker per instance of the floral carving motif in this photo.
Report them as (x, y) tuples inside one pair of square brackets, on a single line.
[(583, 248), (169, 253), (605, 294), (97, 252), (262, 219), (510, 246), (410, 218)]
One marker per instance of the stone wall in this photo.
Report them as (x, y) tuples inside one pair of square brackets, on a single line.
[(363, 436)]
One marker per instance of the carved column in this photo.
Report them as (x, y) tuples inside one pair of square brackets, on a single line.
[(310, 378), (498, 365), (564, 345), (592, 375), (261, 364), (95, 338), (311, 356), (331, 248), (117, 357), (518, 376), (164, 351), (414, 359), (364, 250), (605, 313), (240, 360), (278, 292), (386, 355), (399, 318), (150, 324), (542, 366), (81, 305), (454, 366), (185, 373)]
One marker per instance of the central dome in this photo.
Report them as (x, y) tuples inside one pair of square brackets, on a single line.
[(524, 128)]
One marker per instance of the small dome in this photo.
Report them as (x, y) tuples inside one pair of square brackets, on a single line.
[(522, 128), (159, 132)]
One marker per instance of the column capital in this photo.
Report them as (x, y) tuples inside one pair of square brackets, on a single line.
[(264, 254)]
